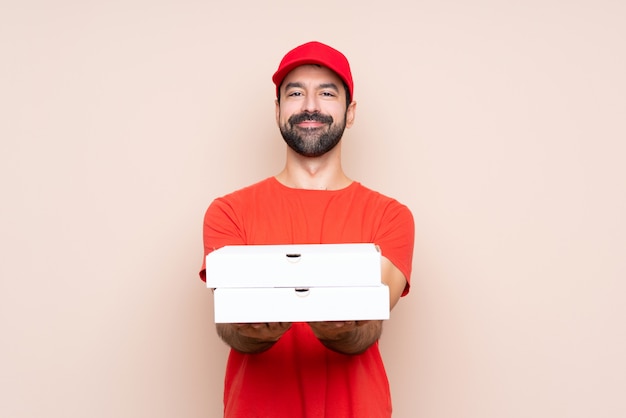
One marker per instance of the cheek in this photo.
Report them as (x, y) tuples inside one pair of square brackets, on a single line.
[(284, 113), (280, 116), (337, 111), (339, 118)]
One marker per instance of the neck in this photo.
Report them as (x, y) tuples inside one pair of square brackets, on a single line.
[(320, 173)]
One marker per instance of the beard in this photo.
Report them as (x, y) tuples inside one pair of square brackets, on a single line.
[(312, 142)]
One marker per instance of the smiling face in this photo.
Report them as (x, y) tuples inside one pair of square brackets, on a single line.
[(311, 113)]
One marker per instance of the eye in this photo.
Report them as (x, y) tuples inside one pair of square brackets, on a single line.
[(328, 93), (294, 94)]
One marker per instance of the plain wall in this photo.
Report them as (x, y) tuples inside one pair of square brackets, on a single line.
[(500, 124)]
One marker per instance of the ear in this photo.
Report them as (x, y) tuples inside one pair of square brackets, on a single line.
[(350, 114), (277, 112)]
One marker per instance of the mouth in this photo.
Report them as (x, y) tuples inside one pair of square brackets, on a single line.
[(310, 124), (310, 121)]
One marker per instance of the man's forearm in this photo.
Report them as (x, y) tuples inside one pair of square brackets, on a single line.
[(354, 339)]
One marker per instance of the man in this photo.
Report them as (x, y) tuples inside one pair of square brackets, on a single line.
[(323, 369)]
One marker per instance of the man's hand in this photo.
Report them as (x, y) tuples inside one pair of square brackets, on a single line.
[(347, 337), (252, 338), (333, 330), (267, 331)]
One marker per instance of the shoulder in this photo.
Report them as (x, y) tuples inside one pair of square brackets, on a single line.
[(371, 193), (380, 200), (235, 202), (260, 186), (245, 194)]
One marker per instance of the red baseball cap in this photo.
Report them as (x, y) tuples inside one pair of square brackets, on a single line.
[(314, 53)]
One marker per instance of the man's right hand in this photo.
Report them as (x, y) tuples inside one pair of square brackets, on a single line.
[(253, 337)]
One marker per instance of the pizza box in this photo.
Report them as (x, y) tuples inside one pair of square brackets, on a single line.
[(249, 305), (294, 265)]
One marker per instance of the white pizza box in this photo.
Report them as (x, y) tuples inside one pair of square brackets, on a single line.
[(245, 305), (294, 265)]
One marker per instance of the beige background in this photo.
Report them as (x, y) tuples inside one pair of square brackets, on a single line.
[(500, 124)]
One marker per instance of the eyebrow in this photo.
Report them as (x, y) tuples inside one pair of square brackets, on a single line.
[(297, 84), (329, 86)]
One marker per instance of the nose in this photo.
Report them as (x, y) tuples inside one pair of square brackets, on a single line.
[(311, 104)]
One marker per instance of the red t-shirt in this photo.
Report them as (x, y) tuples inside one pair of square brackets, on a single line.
[(298, 377)]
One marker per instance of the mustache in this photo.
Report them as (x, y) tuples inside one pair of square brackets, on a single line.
[(310, 116)]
